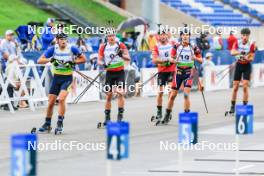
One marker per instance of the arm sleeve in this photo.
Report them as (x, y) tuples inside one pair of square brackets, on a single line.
[(76, 51), (101, 50), (235, 45), (155, 51), (252, 48), (173, 52), (49, 52), (122, 46)]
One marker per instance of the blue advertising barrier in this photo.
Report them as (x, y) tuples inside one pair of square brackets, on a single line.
[(244, 119), (23, 155), (117, 140), (188, 128)]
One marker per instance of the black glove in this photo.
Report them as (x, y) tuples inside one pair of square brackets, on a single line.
[(106, 65), (243, 53), (69, 64), (167, 64), (54, 61)]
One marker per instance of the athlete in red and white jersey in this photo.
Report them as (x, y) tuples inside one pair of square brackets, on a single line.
[(113, 55), (163, 55), (244, 51), (186, 54)]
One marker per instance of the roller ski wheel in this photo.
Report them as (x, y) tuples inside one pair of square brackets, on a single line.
[(102, 125), (165, 121), (158, 122), (34, 130), (229, 113), (152, 118), (58, 130)]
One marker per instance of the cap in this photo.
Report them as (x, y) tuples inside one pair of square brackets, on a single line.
[(9, 32), (209, 55)]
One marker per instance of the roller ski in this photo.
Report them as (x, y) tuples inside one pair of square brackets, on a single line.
[(107, 119), (157, 117), (102, 124), (59, 128), (165, 121), (231, 112), (45, 128)]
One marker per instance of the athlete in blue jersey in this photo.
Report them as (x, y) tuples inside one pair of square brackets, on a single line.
[(63, 58)]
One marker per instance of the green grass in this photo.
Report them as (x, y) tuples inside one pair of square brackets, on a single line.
[(92, 11), (14, 13)]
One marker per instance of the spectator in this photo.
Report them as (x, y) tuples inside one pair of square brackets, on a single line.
[(25, 36), (10, 47), (13, 78), (92, 65), (218, 41), (127, 40), (48, 34), (207, 62), (231, 40), (152, 40), (203, 43), (83, 47), (143, 43)]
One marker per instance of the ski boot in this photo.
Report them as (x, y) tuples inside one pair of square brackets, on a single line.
[(59, 128), (231, 112), (120, 117)]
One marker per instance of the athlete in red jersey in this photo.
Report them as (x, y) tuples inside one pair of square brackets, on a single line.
[(162, 55), (244, 51)]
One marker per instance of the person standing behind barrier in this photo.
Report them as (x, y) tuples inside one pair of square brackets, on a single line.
[(231, 40), (10, 47), (62, 56), (218, 41), (207, 62), (244, 51), (162, 55), (112, 55), (48, 34), (14, 83)]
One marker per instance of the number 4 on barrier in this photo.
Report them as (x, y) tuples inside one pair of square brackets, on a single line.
[(244, 119), (117, 140)]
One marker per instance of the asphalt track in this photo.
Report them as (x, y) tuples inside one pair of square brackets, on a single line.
[(146, 157)]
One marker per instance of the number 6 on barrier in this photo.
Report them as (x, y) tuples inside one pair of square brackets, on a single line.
[(117, 140), (244, 119)]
